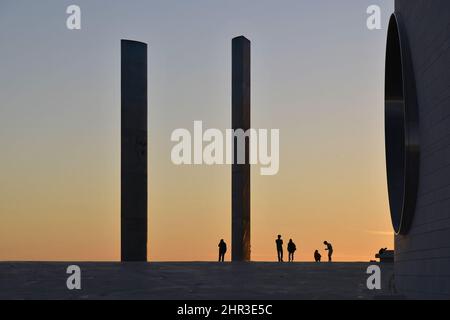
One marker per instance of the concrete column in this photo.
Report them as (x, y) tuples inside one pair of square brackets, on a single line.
[(134, 151), (241, 172)]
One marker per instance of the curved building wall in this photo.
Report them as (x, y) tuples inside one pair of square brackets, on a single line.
[(422, 256)]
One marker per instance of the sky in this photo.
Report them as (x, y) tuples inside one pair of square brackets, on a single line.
[(317, 76)]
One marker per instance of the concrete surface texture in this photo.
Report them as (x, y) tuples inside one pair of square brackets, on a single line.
[(195, 281)]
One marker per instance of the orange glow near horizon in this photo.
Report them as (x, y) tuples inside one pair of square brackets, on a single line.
[(186, 225)]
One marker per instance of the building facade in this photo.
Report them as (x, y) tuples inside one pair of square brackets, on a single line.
[(422, 243)]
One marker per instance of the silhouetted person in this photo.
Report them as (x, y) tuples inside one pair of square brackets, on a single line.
[(279, 243), (329, 248), (291, 247), (317, 256), (222, 250)]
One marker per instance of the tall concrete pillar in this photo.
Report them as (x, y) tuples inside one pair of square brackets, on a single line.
[(134, 151), (241, 172)]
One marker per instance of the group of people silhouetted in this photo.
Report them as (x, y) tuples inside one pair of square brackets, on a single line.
[(291, 248)]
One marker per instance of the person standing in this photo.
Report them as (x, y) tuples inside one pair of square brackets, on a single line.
[(222, 250), (279, 243), (329, 248), (291, 249)]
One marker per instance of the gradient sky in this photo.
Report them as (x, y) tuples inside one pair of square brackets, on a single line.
[(317, 75)]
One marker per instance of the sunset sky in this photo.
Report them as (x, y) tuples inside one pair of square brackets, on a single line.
[(317, 75)]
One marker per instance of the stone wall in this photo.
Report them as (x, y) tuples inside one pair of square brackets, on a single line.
[(422, 264)]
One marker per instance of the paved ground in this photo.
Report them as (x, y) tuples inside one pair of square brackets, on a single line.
[(195, 280)]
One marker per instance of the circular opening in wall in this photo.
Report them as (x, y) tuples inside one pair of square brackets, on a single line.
[(401, 128)]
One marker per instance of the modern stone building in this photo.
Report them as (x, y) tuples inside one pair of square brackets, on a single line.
[(134, 151), (418, 145)]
